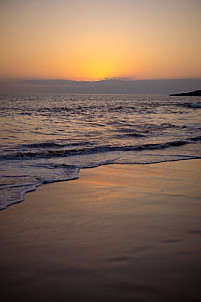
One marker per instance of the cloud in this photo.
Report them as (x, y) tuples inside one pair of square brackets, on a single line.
[(114, 85), (60, 82)]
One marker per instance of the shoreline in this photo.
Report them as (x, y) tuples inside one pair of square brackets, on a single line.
[(118, 233), (80, 169)]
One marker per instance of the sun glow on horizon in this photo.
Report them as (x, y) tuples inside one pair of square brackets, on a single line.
[(93, 40)]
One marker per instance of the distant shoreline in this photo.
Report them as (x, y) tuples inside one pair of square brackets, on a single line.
[(192, 93)]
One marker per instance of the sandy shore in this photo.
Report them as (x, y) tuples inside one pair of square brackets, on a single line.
[(118, 233)]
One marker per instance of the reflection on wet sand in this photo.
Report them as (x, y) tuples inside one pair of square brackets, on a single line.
[(119, 233)]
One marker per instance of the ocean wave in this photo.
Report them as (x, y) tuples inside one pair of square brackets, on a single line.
[(44, 134), (193, 105), (137, 135), (46, 145), (197, 138), (90, 150), (12, 193)]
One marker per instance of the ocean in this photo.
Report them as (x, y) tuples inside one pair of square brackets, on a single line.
[(50, 137)]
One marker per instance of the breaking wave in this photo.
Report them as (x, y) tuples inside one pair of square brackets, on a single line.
[(48, 138)]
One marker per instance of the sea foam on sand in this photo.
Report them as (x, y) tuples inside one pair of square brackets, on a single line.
[(118, 233)]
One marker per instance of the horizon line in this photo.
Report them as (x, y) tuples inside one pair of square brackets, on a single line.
[(62, 81)]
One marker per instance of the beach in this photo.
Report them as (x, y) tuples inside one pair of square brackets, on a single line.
[(118, 233), (100, 151)]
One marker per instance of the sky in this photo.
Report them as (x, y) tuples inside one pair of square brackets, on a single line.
[(92, 40)]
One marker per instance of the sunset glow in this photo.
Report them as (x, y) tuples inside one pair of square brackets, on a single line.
[(92, 40)]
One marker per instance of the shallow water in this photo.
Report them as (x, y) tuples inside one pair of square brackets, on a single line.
[(48, 138)]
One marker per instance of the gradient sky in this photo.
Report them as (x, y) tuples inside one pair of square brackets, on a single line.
[(92, 39)]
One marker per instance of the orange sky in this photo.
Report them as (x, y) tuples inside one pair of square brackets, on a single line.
[(92, 39)]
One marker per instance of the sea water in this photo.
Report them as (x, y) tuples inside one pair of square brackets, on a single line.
[(48, 138)]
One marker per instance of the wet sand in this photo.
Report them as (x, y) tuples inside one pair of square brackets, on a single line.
[(118, 233)]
